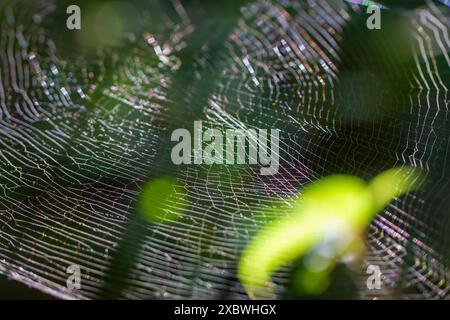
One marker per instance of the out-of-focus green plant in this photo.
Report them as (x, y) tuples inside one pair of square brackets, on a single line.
[(330, 218), (156, 197)]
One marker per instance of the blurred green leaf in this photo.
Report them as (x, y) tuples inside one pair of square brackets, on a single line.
[(332, 213)]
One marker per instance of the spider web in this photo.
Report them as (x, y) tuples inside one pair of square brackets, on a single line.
[(82, 133)]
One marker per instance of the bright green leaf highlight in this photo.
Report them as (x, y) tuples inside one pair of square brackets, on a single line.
[(337, 208), (161, 201)]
